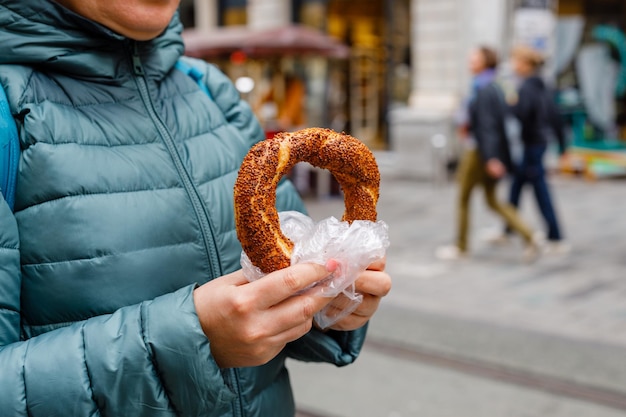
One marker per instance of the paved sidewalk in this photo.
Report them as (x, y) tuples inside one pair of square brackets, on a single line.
[(560, 317), (582, 294)]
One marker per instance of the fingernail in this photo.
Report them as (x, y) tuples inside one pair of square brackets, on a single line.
[(331, 265)]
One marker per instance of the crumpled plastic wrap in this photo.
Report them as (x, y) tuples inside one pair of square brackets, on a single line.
[(354, 246)]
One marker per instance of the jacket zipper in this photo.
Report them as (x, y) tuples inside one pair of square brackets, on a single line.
[(208, 231), (238, 408), (206, 227)]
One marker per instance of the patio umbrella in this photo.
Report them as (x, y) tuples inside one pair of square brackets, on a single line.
[(281, 41)]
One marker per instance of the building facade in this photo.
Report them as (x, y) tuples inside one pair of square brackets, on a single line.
[(443, 32), (407, 72), (359, 90)]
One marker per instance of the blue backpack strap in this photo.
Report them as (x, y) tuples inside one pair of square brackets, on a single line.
[(195, 73), (9, 151)]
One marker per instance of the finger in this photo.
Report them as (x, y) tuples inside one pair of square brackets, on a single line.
[(378, 265), (361, 315), (342, 306), (235, 278), (296, 313), (282, 284), (350, 322), (366, 308), (295, 333), (377, 283)]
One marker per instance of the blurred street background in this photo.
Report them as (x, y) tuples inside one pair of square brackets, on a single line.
[(490, 335)]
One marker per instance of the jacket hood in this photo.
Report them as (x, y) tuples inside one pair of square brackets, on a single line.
[(46, 35)]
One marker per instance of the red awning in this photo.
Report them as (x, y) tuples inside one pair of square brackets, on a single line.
[(286, 40)]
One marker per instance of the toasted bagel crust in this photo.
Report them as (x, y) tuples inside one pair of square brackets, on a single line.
[(257, 223)]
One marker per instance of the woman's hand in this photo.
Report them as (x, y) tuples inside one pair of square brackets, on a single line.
[(373, 284), (249, 323)]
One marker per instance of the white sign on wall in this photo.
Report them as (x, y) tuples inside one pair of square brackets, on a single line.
[(534, 27)]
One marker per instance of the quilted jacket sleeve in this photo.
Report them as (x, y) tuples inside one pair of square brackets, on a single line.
[(150, 359), (339, 348)]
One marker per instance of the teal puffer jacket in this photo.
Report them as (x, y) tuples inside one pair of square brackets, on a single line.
[(123, 206)]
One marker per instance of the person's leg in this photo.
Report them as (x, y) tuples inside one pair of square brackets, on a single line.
[(517, 184), (542, 193), (467, 177), (516, 189), (506, 211)]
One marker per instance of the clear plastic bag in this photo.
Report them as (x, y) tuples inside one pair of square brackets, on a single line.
[(354, 246)]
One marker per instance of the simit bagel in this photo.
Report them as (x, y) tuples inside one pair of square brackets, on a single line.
[(257, 223)]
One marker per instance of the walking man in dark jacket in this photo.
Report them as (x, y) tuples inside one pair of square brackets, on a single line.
[(487, 157)]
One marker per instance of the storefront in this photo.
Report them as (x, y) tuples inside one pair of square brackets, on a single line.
[(351, 92), (290, 73), (590, 68), (378, 75), (283, 72)]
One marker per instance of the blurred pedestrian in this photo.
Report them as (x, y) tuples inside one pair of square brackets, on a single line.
[(540, 121), (486, 158)]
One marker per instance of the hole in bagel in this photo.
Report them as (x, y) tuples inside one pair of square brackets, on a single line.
[(314, 182)]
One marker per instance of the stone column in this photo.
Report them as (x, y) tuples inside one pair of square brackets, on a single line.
[(435, 50), (486, 22), (442, 34), (265, 14), (206, 14)]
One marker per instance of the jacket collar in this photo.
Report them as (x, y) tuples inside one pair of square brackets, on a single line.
[(46, 35)]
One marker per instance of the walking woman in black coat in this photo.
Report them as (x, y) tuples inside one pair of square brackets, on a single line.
[(540, 121)]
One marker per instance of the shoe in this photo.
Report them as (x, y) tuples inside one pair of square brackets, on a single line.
[(531, 253), (539, 237), (533, 249), (557, 247), (450, 253)]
